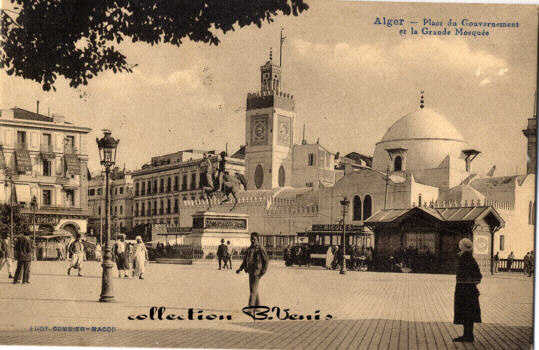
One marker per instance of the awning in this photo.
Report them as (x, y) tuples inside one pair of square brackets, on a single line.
[(72, 163), (24, 163), (23, 193)]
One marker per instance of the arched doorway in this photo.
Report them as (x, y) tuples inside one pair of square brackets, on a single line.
[(357, 208)]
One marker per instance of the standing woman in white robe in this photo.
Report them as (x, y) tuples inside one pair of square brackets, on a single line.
[(329, 257), (141, 256)]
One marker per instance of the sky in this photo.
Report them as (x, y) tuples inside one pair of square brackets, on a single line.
[(351, 79)]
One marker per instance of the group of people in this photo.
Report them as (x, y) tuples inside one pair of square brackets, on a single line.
[(529, 263), (300, 255), (224, 255), (360, 257), (20, 249), (131, 259)]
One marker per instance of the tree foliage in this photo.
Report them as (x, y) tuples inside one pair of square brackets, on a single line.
[(20, 221), (44, 39)]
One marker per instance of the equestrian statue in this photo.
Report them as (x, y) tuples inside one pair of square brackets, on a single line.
[(220, 182)]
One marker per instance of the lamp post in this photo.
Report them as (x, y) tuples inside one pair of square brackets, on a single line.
[(107, 153), (33, 205), (345, 202), (9, 177)]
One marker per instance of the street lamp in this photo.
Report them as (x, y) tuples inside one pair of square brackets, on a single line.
[(345, 202), (33, 205), (107, 154), (9, 177)]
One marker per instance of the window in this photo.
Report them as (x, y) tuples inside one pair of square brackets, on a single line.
[(99, 210), (193, 181), (135, 210), (398, 163), (91, 192), (69, 144), (149, 187), (154, 210), (136, 189), (21, 139), (419, 200), (357, 208), (121, 190), (184, 182), (161, 208), (149, 209), (168, 206), (46, 167), (47, 139), (121, 209), (175, 183), (70, 198), (502, 242), (161, 185), (310, 159), (155, 186), (176, 205), (259, 176), (115, 210), (169, 184), (47, 197), (367, 207), (142, 211), (282, 176), (99, 191)]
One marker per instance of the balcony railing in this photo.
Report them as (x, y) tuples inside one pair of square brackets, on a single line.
[(70, 149)]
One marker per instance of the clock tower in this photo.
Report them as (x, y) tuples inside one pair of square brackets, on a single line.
[(269, 125)]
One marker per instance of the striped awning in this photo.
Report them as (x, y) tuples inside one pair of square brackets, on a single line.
[(24, 162), (72, 164)]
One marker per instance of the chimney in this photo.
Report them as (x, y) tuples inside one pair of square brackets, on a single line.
[(37, 106)]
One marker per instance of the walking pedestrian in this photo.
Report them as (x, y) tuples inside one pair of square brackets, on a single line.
[(222, 252), (141, 257), (329, 257), (466, 305), (76, 249), (7, 256), (228, 258), (23, 255), (255, 263), (119, 253)]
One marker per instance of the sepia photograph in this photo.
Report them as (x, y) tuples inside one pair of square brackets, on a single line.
[(267, 174)]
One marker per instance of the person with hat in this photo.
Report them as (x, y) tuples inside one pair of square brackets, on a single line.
[(76, 249), (466, 306), (23, 254), (255, 263), (119, 252), (222, 252), (141, 257)]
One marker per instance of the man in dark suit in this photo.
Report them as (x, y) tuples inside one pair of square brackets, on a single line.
[(23, 254), (222, 252), (255, 263)]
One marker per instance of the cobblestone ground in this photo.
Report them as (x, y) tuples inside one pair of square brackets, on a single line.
[(369, 310)]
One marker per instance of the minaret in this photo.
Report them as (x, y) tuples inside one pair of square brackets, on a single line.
[(269, 125), (531, 135)]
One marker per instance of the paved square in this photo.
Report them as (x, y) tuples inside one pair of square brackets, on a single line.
[(369, 310)]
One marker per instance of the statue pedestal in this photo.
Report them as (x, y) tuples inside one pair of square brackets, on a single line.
[(209, 228)]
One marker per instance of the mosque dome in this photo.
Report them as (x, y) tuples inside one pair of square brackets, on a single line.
[(422, 124), (424, 140)]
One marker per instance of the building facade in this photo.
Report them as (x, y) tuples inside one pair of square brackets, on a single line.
[(45, 158), (167, 180), (121, 203)]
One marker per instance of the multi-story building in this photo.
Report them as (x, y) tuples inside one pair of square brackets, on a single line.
[(168, 179), (121, 203), (46, 158)]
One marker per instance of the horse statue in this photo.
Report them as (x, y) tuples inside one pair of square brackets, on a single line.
[(232, 184)]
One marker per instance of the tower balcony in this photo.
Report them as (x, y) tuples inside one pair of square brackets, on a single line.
[(271, 98)]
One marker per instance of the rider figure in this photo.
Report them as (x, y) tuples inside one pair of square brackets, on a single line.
[(221, 169), (206, 166)]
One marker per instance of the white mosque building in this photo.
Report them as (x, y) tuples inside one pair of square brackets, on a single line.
[(421, 161)]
